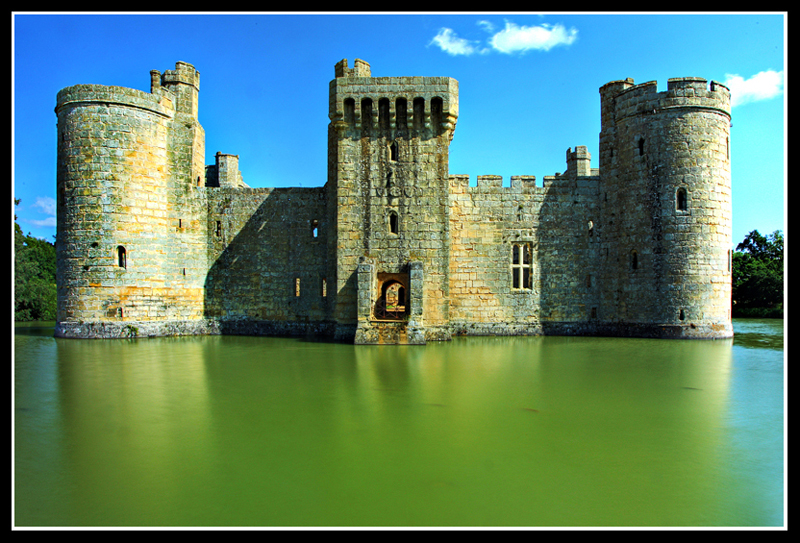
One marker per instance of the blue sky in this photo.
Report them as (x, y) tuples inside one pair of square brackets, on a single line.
[(528, 86)]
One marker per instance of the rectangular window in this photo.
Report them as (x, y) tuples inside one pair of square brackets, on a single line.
[(521, 261), (297, 286)]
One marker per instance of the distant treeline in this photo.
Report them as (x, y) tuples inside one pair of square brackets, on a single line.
[(758, 276), (34, 277)]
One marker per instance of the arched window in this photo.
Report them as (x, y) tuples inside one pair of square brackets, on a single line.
[(383, 114), (401, 111), (393, 151), (392, 302), (419, 113), (366, 114), (681, 202), (437, 108), (349, 111), (122, 257), (634, 260)]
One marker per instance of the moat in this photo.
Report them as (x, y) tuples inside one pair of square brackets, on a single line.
[(502, 431)]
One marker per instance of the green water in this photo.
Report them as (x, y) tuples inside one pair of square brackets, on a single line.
[(245, 431)]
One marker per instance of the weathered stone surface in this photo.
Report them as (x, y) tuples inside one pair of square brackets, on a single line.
[(392, 249)]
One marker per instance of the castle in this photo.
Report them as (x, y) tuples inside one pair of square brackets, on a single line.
[(393, 249)]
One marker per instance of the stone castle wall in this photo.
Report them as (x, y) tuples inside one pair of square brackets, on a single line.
[(151, 241), (268, 255)]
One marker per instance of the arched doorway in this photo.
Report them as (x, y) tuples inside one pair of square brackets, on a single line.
[(392, 304)]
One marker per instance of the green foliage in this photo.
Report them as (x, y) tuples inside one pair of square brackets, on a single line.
[(34, 277), (758, 276)]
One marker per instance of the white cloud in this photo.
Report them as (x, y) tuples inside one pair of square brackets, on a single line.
[(451, 44), (46, 204), (762, 86), (514, 38), (487, 26), (511, 39), (44, 223)]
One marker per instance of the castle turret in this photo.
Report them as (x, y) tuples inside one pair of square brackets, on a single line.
[(666, 203), (130, 240), (579, 162)]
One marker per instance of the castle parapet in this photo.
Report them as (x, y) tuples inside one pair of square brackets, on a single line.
[(162, 103), (525, 184), (361, 104), (623, 98)]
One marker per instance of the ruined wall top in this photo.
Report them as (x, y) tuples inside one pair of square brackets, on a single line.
[(360, 69)]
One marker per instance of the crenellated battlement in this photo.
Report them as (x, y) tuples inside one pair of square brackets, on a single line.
[(623, 98), (494, 183)]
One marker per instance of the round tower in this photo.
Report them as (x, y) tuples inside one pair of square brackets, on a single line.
[(121, 214), (666, 195)]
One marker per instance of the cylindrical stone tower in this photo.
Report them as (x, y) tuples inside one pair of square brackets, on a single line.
[(130, 244), (666, 202)]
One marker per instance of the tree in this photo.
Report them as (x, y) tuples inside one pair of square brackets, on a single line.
[(758, 276), (34, 277)]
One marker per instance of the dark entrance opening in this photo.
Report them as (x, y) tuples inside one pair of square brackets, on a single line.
[(392, 304)]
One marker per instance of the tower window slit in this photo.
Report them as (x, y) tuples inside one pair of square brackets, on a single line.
[(681, 202), (122, 257)]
